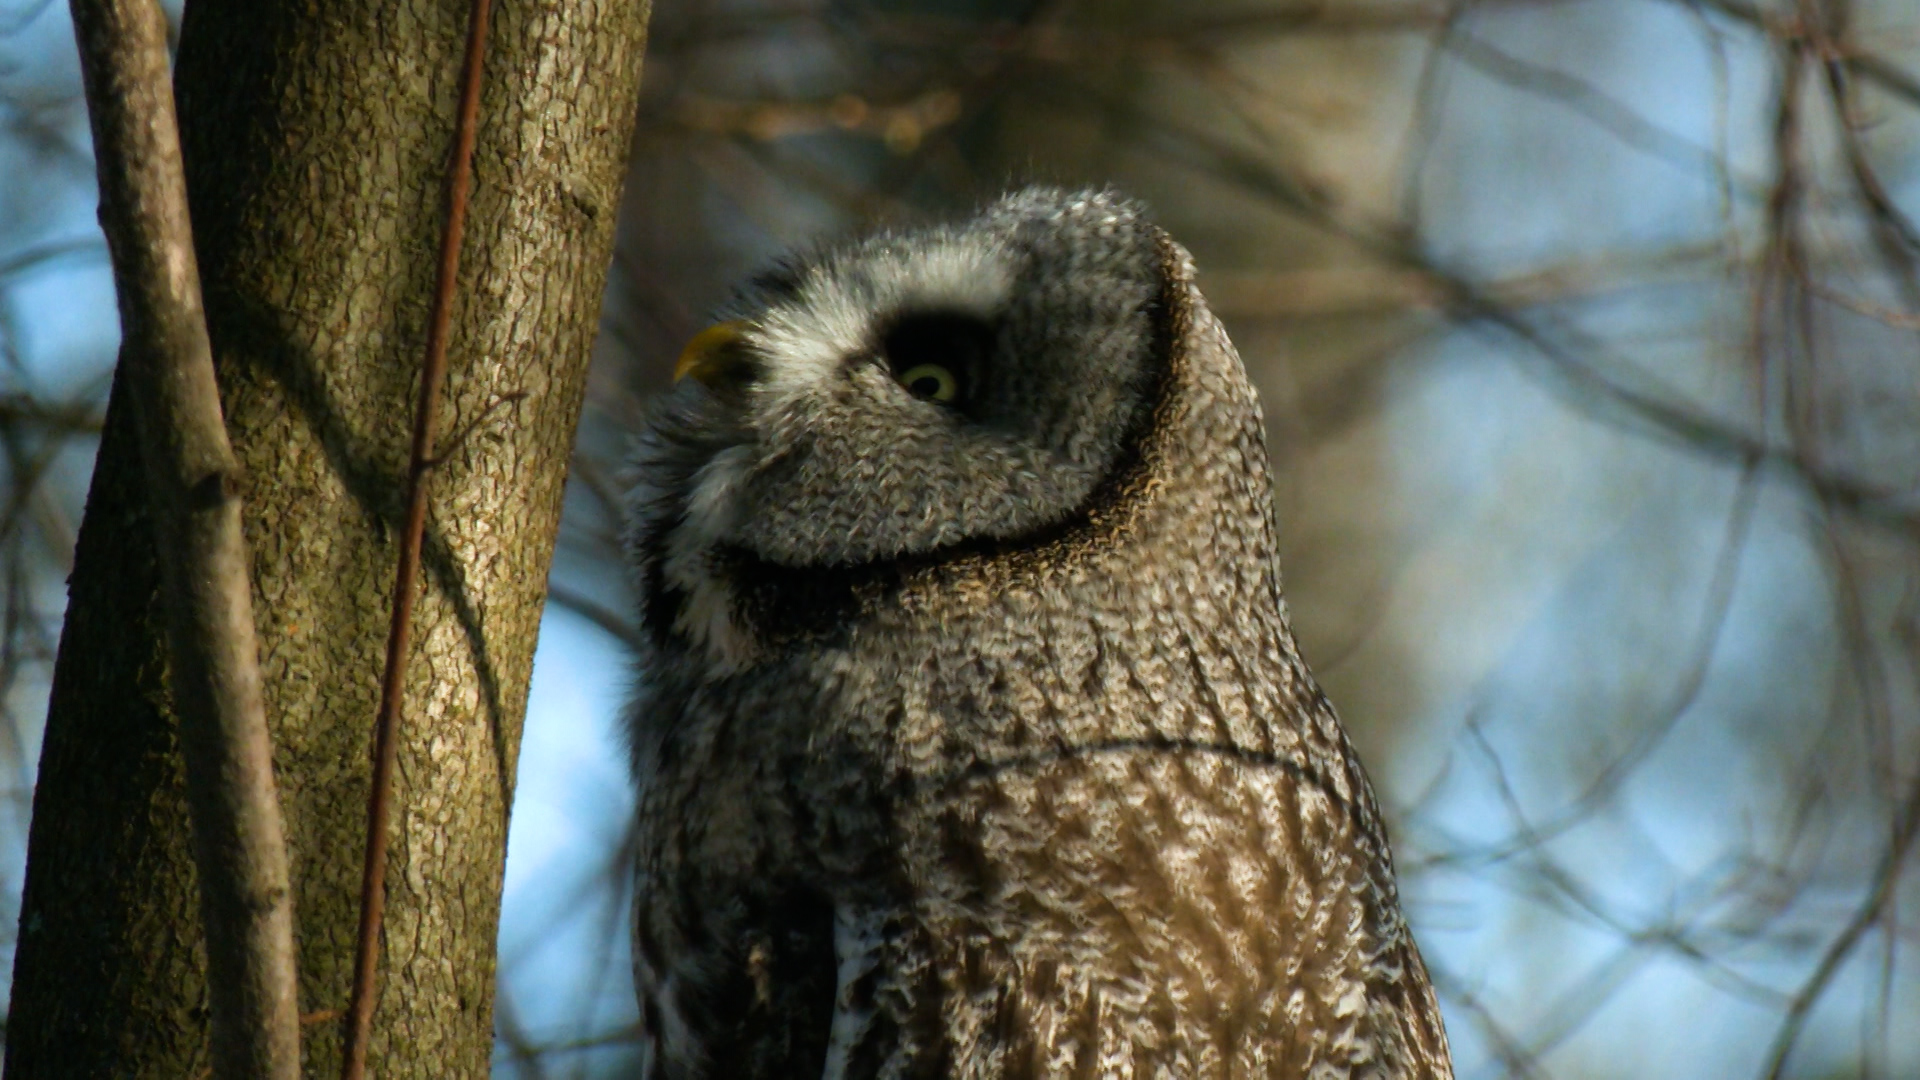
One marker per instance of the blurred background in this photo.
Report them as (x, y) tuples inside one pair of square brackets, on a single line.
[(1588, 333)]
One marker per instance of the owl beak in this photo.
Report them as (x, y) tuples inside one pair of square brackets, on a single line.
[(717, 358)]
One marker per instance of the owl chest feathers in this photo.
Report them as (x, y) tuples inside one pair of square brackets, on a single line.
[(1036, 805)]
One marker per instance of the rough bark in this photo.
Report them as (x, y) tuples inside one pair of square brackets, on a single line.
[(316, 138)]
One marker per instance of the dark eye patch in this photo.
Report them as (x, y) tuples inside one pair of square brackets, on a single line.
[(957, 342)]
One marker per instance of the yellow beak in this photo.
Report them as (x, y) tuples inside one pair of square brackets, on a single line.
[(715, 357)]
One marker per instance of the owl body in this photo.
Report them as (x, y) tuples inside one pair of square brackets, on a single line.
[(973, 741)]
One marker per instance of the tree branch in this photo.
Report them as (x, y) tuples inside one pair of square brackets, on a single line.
[(245, 902)]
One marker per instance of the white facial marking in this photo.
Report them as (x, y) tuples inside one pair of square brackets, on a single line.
[(834, 319), (803, 343)]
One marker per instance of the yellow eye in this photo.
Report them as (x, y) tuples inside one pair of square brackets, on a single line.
[(930, 382)]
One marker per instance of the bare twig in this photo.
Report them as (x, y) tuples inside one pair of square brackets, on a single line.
[(41, 254), (1321, 17), (245, 901), (400, 629), (1607, 781), (460, 437), (1612, 115), (17, 21), (1881, 72), (613, 623), (1576, 368), (1886, 877)]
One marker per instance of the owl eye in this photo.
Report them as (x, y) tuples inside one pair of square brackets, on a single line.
[(931, 382), (939, 356)]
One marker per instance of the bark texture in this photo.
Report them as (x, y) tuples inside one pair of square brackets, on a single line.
[(316, 139), (246, 911)]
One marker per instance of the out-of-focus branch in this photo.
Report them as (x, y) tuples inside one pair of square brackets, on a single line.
[(1322, 17), (901, 125), (40, 254), (1881, 72), (80, 417), (246, 904), (1570, 355), (1590, 101), (17, 21), (1884, 883), (610, 622)]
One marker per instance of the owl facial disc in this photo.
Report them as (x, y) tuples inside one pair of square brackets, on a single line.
[(893, 398)]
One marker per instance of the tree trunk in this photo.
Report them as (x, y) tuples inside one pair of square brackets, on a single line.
[(316, 139)]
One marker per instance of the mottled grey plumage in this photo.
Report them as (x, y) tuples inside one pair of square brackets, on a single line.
[(972, 740)]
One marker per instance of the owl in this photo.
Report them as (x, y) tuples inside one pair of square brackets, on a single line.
[(971, 737)]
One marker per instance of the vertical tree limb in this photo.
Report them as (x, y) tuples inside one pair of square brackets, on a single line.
[(315, 142), (194, 507)]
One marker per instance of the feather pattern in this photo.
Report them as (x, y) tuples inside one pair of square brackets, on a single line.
[(992, 773)]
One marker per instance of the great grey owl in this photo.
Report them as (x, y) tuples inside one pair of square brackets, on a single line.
[(971, 738)]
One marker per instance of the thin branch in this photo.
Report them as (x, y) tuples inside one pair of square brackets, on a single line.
[(239, 842), (1573, 361), (467, 430), (1583, 98), (610, 622), (1885, 877), (373, 893), (1348, 18), (17, 21), (1607, 782), (1882, 73), (1505, 1046), (41, 254)]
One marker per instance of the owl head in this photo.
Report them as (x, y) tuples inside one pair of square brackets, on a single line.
[(894, 399)]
